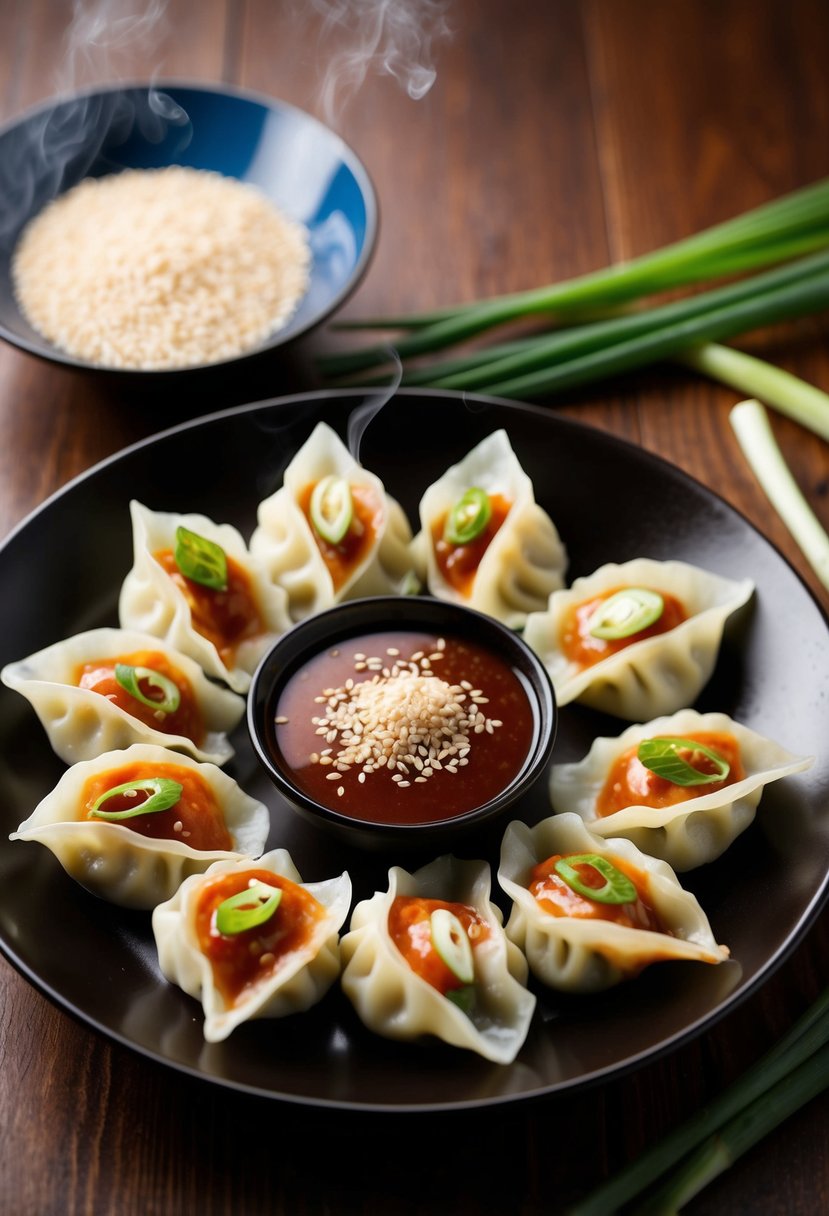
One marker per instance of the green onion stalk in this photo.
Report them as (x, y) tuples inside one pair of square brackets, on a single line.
[(783, 230), (697, 1151), (564, 359), (751, 425), (753, 377)]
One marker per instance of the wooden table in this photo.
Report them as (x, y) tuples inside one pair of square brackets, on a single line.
[(558, 136)]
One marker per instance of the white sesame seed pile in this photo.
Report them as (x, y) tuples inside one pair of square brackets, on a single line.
[(160, 268), (404, 719)]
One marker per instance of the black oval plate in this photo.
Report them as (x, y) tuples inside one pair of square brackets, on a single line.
[(61, 571)]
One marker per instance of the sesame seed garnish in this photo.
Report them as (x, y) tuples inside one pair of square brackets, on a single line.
[(403, 716), (281, 720)]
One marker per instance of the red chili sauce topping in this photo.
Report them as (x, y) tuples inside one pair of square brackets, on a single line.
[(443, 726), (555, 896), (459, 563), (366, 523), (631, 783), (582, 648), (410, 930), (226, 618), (196, 819), (240, 961), (98, 675)]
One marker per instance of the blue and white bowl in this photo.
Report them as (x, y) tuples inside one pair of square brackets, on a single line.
[(301, 165)]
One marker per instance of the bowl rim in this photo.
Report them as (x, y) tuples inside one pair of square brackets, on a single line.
[(369, 614), (47, 350)]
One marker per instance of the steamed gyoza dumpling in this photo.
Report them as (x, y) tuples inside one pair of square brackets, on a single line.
[(251, 940), (429, 957), (331, 532), (636, 639), (484, 540), (194, 584), (589, 912), (107, 688), (682, 788), (131, 825)]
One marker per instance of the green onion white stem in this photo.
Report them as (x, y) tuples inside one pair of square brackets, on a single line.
[(755, 378), (797, 1048), (754, 434)]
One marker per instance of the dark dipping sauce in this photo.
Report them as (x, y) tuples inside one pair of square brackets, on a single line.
[(495, 756)]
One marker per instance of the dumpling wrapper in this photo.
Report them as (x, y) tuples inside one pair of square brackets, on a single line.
[(284, 540), (690, 833), (393, 1001), (659, 674), (524, 562), (150, 601), (299, 981), (82, 724), (121, 865), (584, 955)]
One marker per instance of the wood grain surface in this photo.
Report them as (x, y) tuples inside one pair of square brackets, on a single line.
[(558, 136)]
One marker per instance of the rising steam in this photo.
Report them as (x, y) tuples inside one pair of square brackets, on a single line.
[(390, 37), (105, 38)]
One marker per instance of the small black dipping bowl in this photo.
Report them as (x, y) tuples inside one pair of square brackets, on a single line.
[(354, 619)]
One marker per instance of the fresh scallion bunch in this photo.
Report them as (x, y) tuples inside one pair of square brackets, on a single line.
[(688, 1158), (790, 235)]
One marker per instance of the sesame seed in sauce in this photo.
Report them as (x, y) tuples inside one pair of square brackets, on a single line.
[(403, 716)]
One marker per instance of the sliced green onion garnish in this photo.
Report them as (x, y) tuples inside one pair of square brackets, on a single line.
[(627, 612), (662, 756), (200, 559), (464, 998), (332, 508), (130, 679), (411, 584), (248, 908), (468, 518), (616, 889), (451, 941), (164, 793)]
